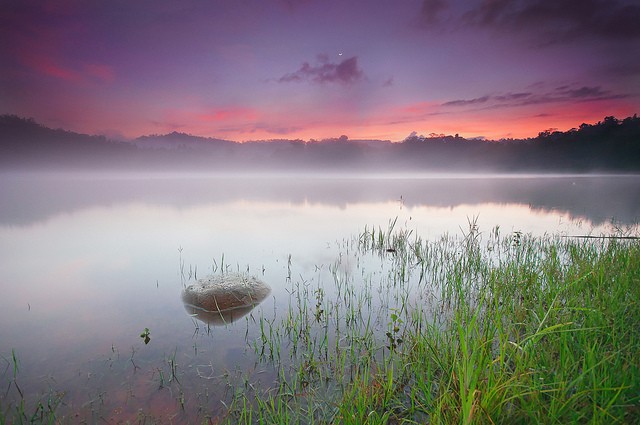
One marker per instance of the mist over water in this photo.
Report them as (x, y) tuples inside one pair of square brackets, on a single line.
[(598, 199), (90, 260)]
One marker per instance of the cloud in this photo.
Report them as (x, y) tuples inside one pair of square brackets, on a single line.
[(512, 96), (345, 72), (431, 10), (100, 72), (291, 5), (228, 114), (583, 92), (466, 102), (559, 21), (556, 95), (50, 66), (39, 44), (628, 67), (574, 94)]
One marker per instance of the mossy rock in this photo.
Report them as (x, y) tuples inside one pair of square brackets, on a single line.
[(221, 299)]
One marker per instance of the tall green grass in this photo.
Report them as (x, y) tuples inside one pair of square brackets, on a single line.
[(479, 329)]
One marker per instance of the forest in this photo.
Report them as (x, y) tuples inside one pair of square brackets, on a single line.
[(610, 145)]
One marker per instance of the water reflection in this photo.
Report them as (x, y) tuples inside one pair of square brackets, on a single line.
[(218, 317), (32, 198)]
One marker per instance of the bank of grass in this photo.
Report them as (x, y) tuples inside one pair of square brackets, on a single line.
[(552, 338), (516, 329)]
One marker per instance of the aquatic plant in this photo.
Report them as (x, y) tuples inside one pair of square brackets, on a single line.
[(146, 336), (482, 329)]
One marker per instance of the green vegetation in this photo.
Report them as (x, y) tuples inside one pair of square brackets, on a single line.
[(479, 330), (486, 328), (146, 335), (43, 411)]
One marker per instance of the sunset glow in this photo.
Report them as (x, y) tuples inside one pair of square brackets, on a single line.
[(309, 69)]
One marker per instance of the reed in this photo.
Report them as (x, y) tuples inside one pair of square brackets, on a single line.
[(478, 329)]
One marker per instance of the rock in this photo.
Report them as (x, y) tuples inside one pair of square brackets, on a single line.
[(221, 299)]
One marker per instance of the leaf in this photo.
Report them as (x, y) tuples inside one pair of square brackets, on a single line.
[(146, 335)]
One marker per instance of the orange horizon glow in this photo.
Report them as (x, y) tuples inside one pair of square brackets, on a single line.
[(238, 124)]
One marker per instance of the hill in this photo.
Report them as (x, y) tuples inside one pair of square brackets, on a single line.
[(611, 145)]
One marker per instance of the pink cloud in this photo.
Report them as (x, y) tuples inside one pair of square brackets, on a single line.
[(48, 66), (100, 72), (228, 114), (417, 108)]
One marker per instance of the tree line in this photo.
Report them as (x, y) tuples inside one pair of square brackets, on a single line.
[(610, 145)]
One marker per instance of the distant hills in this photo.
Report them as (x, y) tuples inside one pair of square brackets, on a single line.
[(611, 145), (181, 141)]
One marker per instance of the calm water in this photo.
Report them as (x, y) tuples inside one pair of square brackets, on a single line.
[(88, 261)]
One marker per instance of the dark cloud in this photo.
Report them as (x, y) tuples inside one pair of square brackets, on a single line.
[(294, 4), (559, 21), (467, 102), (509, 97), (574, 94), (582, 92), (488, 13), (625, 68), (431, 10), (558, 94), (345, 72)]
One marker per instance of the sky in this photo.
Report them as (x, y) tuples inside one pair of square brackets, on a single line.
[(313, 69)]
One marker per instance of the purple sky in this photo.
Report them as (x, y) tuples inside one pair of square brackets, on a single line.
[(264, 69)]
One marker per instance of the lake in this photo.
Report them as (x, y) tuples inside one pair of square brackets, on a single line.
[(88, 261)]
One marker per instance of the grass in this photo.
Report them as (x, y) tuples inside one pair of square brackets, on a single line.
[(480, 329), (486, 329), (42, 411)]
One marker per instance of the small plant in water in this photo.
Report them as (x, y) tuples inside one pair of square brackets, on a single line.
[(146, 335), (393, 333), (319, 311)]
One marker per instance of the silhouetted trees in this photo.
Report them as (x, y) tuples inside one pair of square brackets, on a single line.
[(611, 145)]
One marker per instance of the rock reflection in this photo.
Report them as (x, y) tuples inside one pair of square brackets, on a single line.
[(222, 299), (218, 318)]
